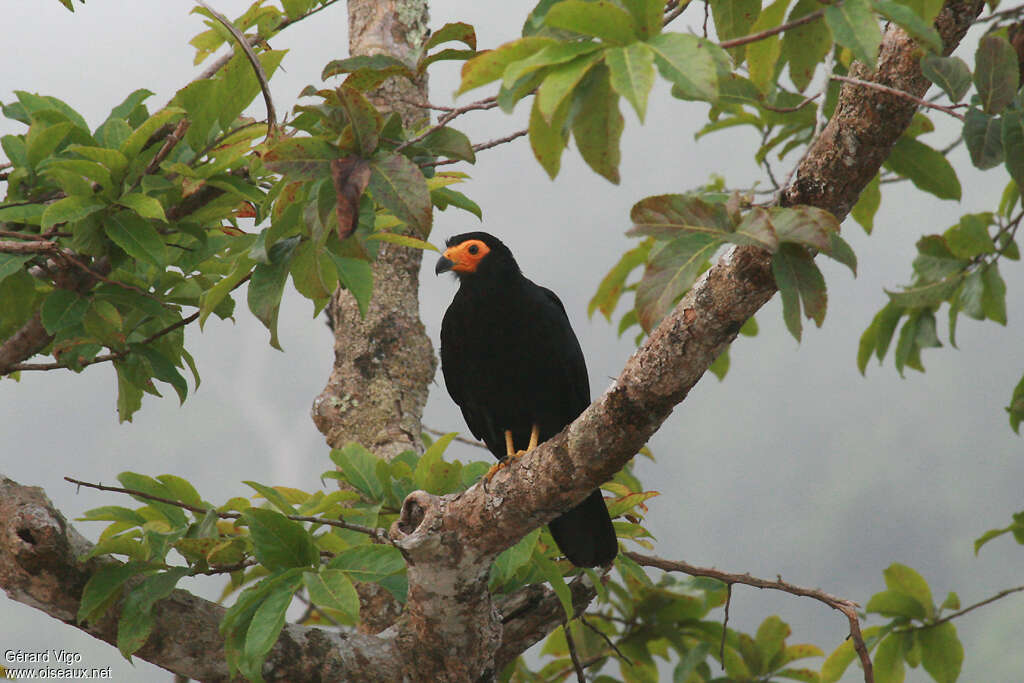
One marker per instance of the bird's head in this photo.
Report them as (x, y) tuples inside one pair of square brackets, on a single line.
[(476, 255)]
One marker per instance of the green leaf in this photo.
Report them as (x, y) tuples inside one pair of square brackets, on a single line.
[(455, 31), (42, 140), (545, 59), (806, 225), (443, 197), (88, 169), (899, 577), (888, 660), (450, 143), (600, 19), (796, 274), (762, 55), (131, 147), (560, 83), (212, 298), (11, 264), (272, 496), (369, 563), (140, 482), (688, 62), (356, 276), (379, 62), (332, 588), (300, 158), (854, 26), (771, 638), (548, 139), (489, 66), (397, 184), (598, 126), (1016, 413), (669, 274), (137, 237), (949, 73), (267, 285), (929, 294), (984, 137), (69, 210), (104, 586), (996, 73), (993, 298), (1013, 144), (926, 168), (969, 238), (137, 620), (163, 369), (734, 19), (893, 603), (907, 19), (632, 74), (510, 560), (942, 654), (110, 159), (804, 47), (24, 213), (267, 622), (608, 292), (842, 252), (62, 309), (147, 207), (360, 469), (364, 119), (549, 570), (278, 542)]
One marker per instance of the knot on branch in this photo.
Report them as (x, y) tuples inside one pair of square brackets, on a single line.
[(33, 534), (420, 518)]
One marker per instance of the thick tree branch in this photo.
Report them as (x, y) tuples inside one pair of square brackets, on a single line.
[(39, 567)]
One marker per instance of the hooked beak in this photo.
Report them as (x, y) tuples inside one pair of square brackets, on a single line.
[(444, 264)]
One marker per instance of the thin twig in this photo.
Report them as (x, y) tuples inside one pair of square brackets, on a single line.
[(580, 675), (480, 147), (671, 13), (375, 533), (949, 617), (725, 624), (583, 620), (261, 75), (173, 139), (899, 93), (479, 105), (788, 110), (459, 438), (768, 33), (847, 607)]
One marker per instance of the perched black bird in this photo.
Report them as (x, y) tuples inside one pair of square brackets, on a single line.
[(513, 365)]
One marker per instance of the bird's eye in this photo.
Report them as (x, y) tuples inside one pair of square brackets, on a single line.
[(473, 249)]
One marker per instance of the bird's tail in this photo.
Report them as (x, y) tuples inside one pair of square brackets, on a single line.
[(585, 534)]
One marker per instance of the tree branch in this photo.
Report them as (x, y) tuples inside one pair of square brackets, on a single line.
[(899, 93), (39, 567), (373, 533), (847, 607)]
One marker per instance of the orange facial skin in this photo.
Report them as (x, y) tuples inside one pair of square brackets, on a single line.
[(466, 256)]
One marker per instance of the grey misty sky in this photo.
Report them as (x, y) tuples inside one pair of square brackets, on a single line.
[(795, 465)]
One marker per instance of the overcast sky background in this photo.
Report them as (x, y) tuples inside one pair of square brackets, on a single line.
[(795, 465)]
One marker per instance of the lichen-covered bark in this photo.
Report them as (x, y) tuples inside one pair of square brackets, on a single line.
[(383, 363)]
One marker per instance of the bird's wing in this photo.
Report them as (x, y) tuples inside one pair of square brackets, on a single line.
[(458, 382), (570, 358)]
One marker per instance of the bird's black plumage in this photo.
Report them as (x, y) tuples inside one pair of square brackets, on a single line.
[(511, 361)]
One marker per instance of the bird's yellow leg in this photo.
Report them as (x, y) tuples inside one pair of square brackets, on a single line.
[(510, 450)]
